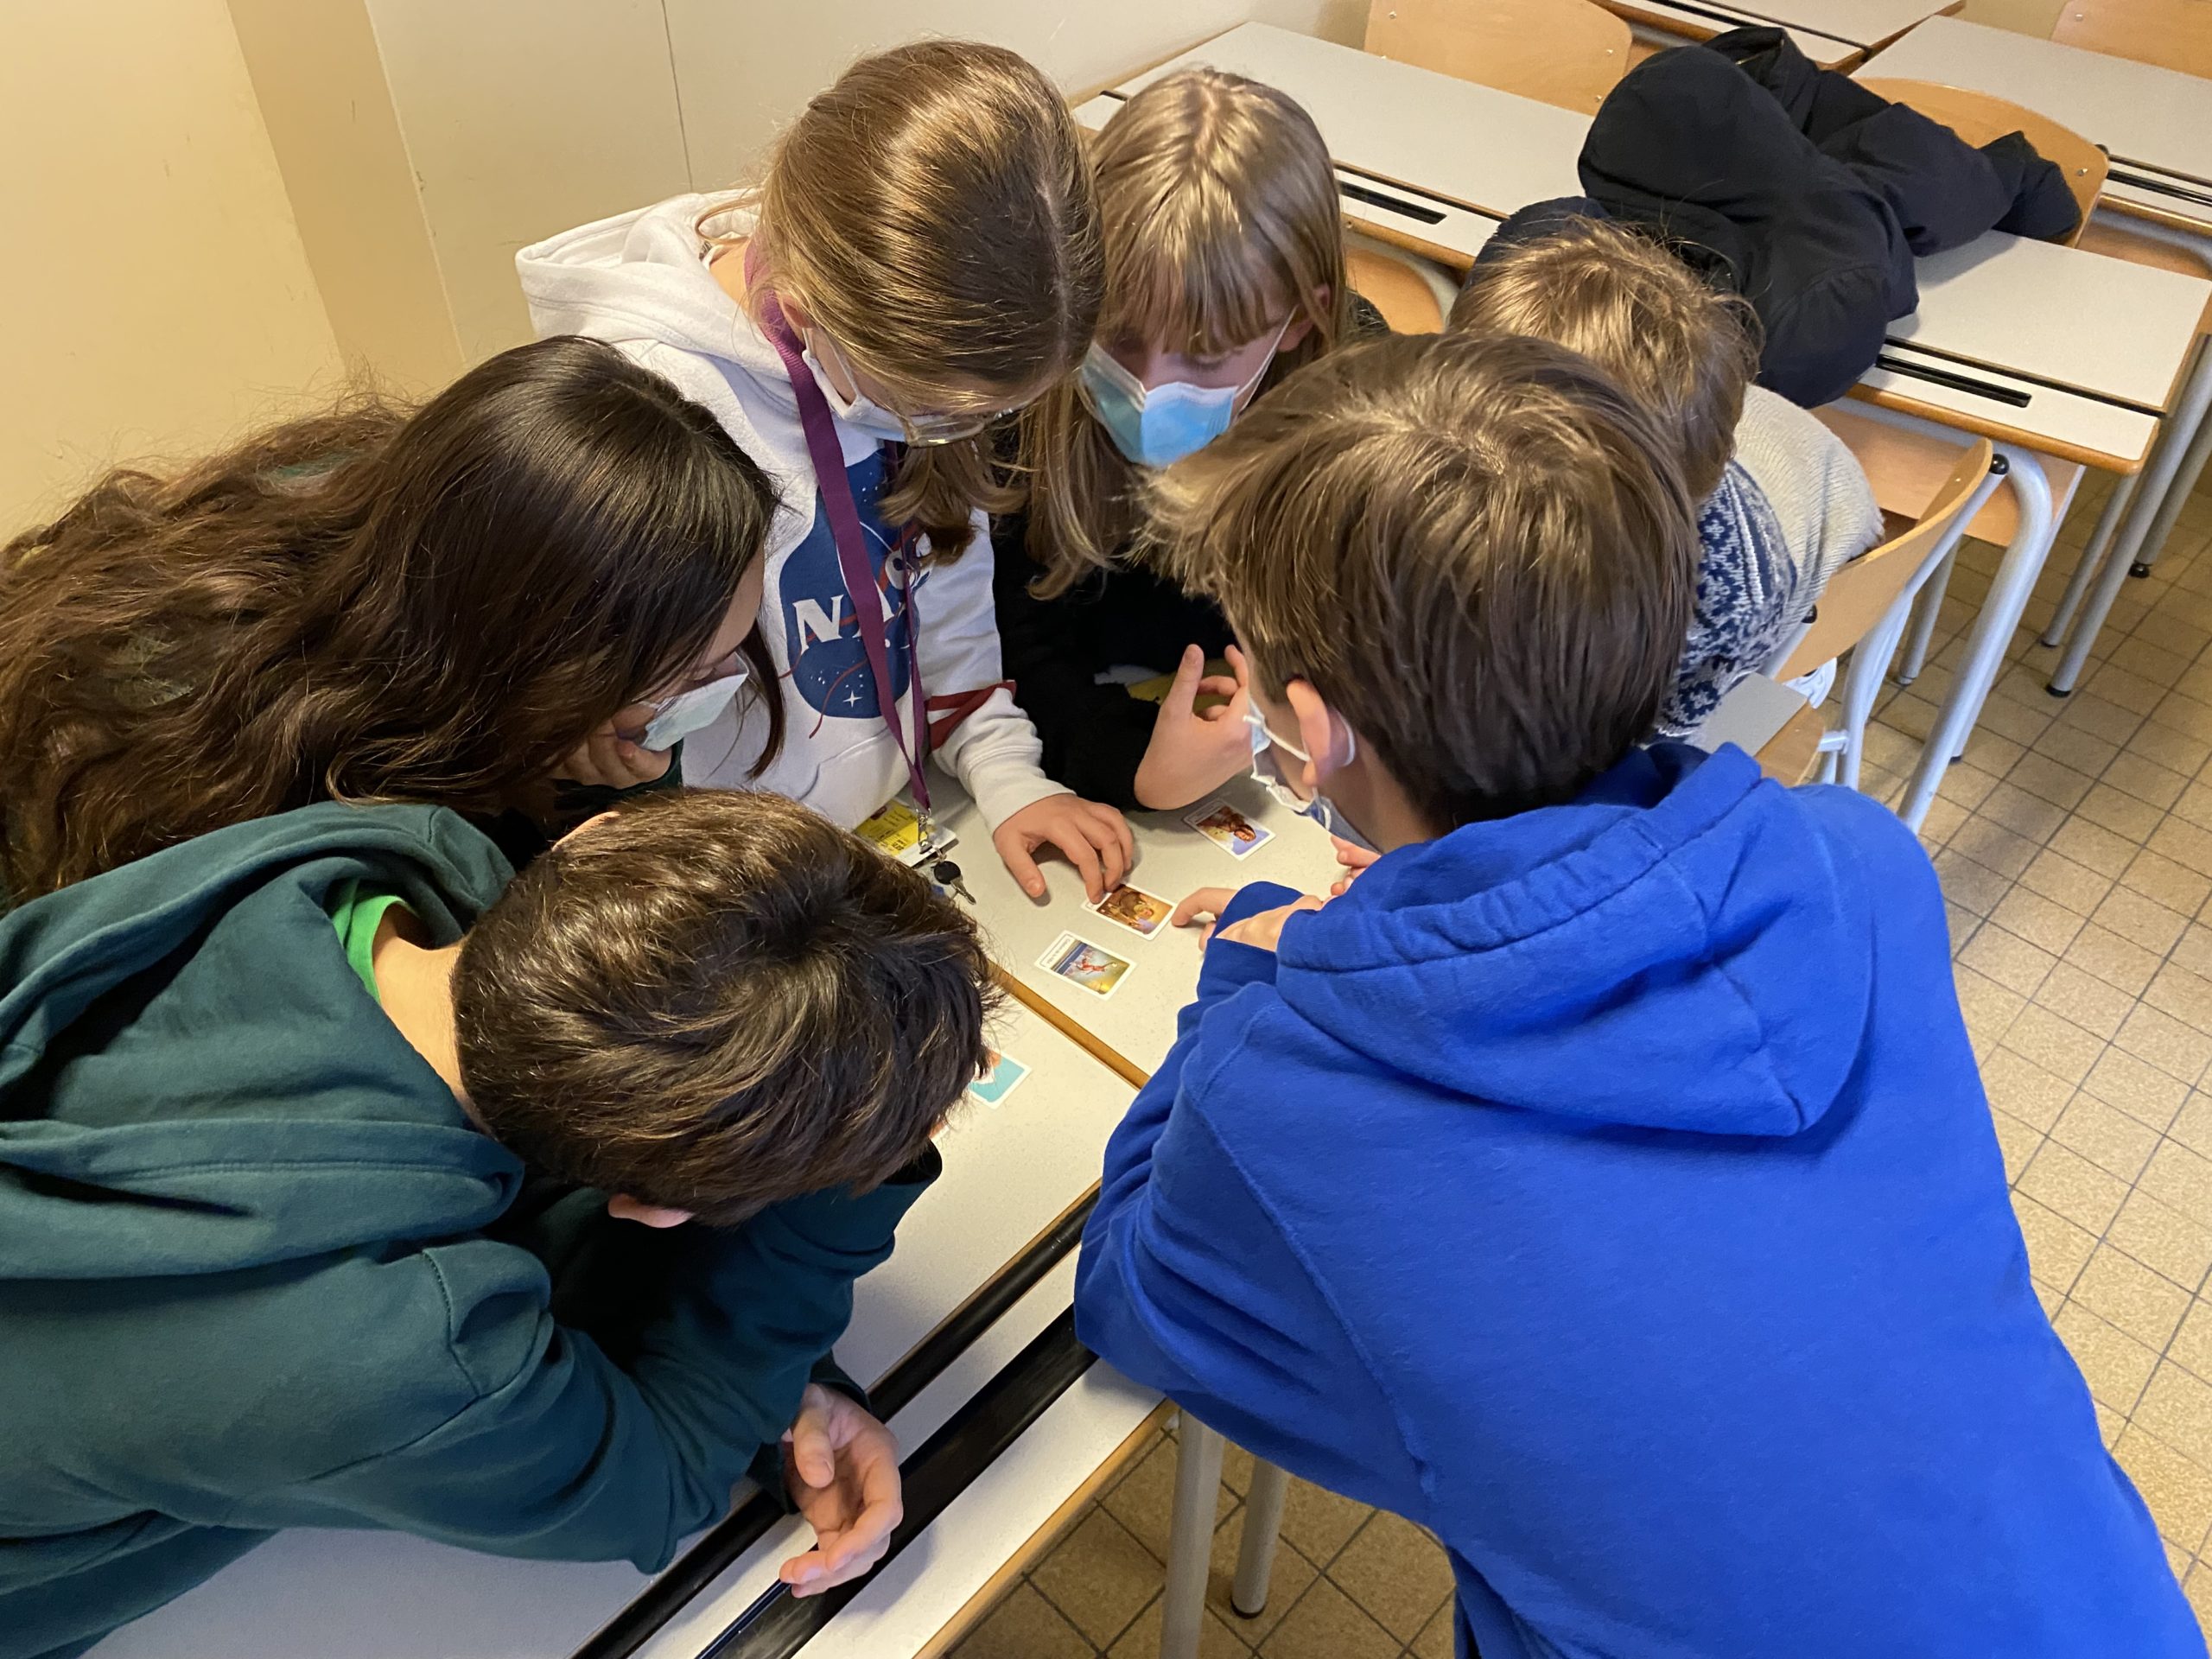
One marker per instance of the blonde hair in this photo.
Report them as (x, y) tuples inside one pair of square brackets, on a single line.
[(1218, 204), (932, 212), (1479, 552), (1638, 313)]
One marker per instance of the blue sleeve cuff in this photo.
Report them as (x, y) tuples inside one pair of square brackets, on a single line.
[(1229, 965)]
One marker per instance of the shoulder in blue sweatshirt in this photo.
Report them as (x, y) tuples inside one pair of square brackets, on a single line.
[(1611, 1191)]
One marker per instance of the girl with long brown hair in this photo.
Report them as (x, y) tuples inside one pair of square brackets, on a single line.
[(545, 572), (920, 258), (1224, 272)]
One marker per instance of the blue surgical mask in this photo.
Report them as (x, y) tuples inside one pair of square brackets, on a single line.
[(675, 718), (1157, 426), (1316, 806)]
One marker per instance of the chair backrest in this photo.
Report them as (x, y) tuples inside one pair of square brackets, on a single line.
[(2172, 33), (1395, 290), (1563, 52), (1978, 118), (1860, 594)]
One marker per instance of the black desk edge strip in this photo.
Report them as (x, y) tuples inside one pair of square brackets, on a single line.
[(972, 1438), (1989, 389), (2164, 187), (699, 1566)]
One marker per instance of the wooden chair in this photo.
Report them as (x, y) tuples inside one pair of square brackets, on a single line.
[(2172, 33), (1867, 604), (1401, 294), (1978, 118), (1563, 52)]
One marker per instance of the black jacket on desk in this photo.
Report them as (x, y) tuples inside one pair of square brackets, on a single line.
[(1805, 192)]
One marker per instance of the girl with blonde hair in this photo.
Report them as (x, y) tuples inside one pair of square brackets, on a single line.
[(919, 259), (1224, 256)]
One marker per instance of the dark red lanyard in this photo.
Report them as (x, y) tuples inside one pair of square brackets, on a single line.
[(852, 565)]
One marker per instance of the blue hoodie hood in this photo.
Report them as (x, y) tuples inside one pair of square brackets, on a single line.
[(1669, 913)]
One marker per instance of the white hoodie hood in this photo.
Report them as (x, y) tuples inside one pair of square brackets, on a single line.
[(640, 282)]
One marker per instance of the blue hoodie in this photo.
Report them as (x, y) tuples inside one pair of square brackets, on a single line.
[(1611, 1190)]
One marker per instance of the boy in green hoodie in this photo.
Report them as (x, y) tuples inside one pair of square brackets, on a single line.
[(325, 1143)]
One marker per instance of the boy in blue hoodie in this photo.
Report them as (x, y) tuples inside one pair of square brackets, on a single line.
[(1535, 1188), (324, 1143)]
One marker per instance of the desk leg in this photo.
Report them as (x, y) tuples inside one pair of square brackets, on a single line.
[(1190, 1538), (1255, 1548), (2178, 493), (2172, 470), (1992, 631), (2092, 560)]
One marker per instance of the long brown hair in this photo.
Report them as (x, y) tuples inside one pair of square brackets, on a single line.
[(365, 605), (931, 210), (1217, 203)]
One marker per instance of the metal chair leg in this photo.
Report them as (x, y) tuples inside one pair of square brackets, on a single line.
[(1255, 1551), (1190, 1538)]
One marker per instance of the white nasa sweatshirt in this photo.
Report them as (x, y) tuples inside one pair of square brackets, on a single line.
[(639, 281)]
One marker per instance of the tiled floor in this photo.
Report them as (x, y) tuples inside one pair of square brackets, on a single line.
[(2075, 842)]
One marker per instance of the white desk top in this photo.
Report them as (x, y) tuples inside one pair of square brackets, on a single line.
[(2106, 328), (381, 1595), (1861, 22), (2151, 117)]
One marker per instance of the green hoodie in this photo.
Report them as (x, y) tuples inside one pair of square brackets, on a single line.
[(258, 1269)]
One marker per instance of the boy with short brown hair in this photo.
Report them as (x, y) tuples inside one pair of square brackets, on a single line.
[(1781, 503), (1535, 1189), (322, 1142)]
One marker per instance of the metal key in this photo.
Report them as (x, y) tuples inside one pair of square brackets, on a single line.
[(947, 874)]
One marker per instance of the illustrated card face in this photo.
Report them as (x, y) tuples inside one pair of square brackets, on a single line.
[(1143, 914), (1007, 1073), (1079, 961), (1228, 828)]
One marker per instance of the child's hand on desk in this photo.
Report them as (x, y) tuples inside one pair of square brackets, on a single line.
[(612, 756), (841, 1467), (1096, 840), (1194, 750), (1354, 859), (1262, 928)]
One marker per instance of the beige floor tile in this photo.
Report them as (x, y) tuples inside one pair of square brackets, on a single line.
[(2017, 1086), (1325, 1625), (2178, 1489), (2053, 780), (1435, 1640), (2179, 1561), (1024, 1625), (2088, 844), (2122, 1291), (2194, 804), (2061, 1179), (2152, 662), (1286, 1582), (2114, 1365), (2180, 1179), (2009, 717), (2178, 750), (2057, 1249), (2163, 1240), (2193, 950), (2185, 714), (2146, 779), (2137, 1087), (2139, 920), (2176, 1406), (2192, 1122), (1943, 818), (2164, 1041), (2188, 844), (2012, 961), (1216, 1639), (2158, 877), (1100, 1577), (1961, 923), (2131, 691), (2017, 1140), (1965, 784), (2093, 714), (2027, 815), (1990, 844), (2173, 634), (1144, 1502), (1396, 1571), (2110, 1424), (2191, 1347), (1320, 1523), (2119, 811), (1973, 886), (2051, 1300), (2056, 1044), (2107, 1137), (2070, 745), (2058, 878), (2119, 962), (2187, 996), (2086, 1000)]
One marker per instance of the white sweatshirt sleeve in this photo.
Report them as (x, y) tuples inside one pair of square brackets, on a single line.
[(995, 751)]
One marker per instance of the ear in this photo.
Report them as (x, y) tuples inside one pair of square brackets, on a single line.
[(623, 1207), (1321, 733), (1296, 333), (800, 319)]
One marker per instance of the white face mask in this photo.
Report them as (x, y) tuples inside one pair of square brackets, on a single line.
[(1316, 806), (677, 717)]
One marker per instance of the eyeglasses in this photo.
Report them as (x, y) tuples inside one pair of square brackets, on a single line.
[(925, 431)]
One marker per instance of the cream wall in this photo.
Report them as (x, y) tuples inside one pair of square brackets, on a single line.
[(155, 297)]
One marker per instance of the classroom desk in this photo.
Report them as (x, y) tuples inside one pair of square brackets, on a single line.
[(381, 1595), (1834, 34), (2155, 124), (2047, 351)]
